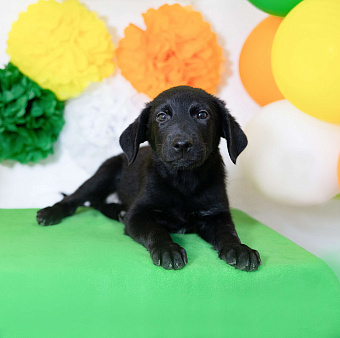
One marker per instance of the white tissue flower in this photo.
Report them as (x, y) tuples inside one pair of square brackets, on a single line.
[(96, 119)]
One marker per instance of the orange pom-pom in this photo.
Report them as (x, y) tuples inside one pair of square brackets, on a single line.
[(177, 48)]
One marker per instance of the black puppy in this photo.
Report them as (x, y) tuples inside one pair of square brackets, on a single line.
[(177, 185)]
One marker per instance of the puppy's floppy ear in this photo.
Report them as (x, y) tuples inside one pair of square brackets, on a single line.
[(135, 134), (232, 132)]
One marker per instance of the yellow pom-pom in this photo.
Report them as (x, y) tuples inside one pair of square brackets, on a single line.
[(61, 46)]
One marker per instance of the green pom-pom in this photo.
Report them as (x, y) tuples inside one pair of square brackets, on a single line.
[(31, 118)]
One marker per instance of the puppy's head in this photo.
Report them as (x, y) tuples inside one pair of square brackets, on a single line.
[(183, 125)]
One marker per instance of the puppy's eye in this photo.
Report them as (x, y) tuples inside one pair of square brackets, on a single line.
[(202, 114), (161, 117)]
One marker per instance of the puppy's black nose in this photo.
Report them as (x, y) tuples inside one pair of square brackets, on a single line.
[(181, 144)]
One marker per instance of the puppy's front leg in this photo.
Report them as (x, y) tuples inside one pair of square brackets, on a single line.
[(219, 230), (141, 226)]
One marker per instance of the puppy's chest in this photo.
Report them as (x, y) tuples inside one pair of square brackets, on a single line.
[(179, 219), (185, 205)]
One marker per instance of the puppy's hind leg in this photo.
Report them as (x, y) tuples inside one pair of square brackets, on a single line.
[(97, 188), (110, 210)]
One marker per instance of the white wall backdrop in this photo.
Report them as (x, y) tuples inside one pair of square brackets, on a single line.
[(315, 228)]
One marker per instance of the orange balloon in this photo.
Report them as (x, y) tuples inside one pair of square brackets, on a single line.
[(255, 63)]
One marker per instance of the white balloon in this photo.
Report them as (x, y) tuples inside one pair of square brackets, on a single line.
[(95, 120), (291, 157)]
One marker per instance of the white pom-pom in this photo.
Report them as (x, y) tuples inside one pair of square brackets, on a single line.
[(291, 157), (96, 119)]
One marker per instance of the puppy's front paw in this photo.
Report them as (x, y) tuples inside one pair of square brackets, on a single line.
[(240, 256), (169, 256), (50, 215)]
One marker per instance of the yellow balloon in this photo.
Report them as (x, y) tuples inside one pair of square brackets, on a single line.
[(306, 58)]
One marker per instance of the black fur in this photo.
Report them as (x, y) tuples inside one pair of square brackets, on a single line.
[(176, 185)]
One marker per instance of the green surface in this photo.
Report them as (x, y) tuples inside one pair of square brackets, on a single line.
[(85, 278)]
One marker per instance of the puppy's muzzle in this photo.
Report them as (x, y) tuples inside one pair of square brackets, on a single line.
[(182, 144)]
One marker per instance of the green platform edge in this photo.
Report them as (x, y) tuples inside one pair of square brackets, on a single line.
[(85, 278)]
